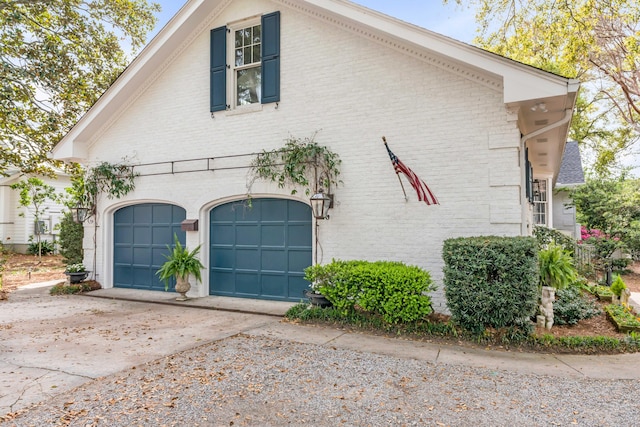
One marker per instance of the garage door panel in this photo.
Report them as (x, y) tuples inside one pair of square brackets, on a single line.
[(222, 257), (245, 213), (247, 235), (224, 281), (274, 260), (142, 214), (273, 234), (141, 235), (247, 259), (161, 235), (298, 260), (298, 212), (142, 256), (224, 234), (299, 235), (246, 282), (123, 254), (272, 210), (123, 235), (271, 247), (158, 255), (273, 285), (162, 214)]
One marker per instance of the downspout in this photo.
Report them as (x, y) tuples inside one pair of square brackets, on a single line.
[(567, 116)]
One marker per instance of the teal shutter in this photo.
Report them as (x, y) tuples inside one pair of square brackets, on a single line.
[(271, 58), (218, 76)]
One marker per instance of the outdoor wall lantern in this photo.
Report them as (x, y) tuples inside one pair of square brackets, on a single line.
[(320, 204), (80, 214)]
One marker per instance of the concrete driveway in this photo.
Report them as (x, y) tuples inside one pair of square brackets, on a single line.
[(52, 344)]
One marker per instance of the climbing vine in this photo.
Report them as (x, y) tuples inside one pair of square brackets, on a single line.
[(300, 163), (113, 180)]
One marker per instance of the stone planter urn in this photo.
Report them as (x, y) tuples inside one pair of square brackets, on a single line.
[(77, 277), (317, 300), (182, 287)]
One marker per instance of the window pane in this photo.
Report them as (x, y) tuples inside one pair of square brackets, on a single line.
[(239, 57), (248, 86), (239, 38), (256, 34), (247, 36), (256, 53), (247, 55)]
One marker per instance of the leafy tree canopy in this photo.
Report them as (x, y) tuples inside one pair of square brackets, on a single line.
[(596, 41), (56, 58), (608, 204)]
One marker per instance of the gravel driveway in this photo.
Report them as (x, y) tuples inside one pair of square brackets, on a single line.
[(269, 373), (257, 381)]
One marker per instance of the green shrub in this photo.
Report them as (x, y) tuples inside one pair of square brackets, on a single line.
[(74, 288), (617, 286), (546, 236), (556, 267), (71, 235), (393, 290), (571, 306), (46, 247), (491, 281)]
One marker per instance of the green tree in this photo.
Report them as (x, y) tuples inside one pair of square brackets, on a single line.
[(596, 41), (57, 57), (608, 204), (35, 193)]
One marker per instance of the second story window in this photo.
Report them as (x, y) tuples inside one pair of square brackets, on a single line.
[(247, 65)]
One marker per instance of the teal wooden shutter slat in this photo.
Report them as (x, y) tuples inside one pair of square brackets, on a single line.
[(218, 84), (271, 57)]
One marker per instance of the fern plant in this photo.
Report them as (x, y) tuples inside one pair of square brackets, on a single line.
[(556, 267), (180, 263)]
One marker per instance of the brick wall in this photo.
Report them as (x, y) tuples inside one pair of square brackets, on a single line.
[(452, 130)]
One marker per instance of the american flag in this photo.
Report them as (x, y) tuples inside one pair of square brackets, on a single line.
[(423, 191)]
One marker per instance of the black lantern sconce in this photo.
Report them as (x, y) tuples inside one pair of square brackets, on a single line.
[(80, 214), (321, 202)]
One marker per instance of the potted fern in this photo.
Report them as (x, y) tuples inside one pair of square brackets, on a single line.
[(180, 264)]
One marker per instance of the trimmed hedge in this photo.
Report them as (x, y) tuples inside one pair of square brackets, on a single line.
[(393, 290), (491, 281)]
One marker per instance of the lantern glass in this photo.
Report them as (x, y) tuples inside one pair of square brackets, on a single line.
[(320, 204)]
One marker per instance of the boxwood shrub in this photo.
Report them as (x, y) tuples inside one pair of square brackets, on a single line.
[(393, 290), (491, 281)]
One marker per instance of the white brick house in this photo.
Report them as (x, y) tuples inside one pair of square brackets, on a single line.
[(465, 120), (17, 223)]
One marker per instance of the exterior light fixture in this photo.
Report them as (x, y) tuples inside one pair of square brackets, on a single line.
[(540, 106), (320, 204), (80, 214)]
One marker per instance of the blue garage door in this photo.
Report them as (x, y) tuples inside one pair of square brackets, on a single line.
[(141, 235), (260, 251)]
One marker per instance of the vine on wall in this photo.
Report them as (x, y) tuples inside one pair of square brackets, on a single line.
[(300, 164)]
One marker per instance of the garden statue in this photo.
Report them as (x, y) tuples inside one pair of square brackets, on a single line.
[(545, 319)]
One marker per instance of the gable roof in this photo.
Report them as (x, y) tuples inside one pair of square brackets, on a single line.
[(523, 87), (571, 172)]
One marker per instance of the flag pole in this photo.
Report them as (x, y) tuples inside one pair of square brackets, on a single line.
[(406, 199)]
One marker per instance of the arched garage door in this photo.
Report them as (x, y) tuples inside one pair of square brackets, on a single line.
[(260, 251), (141, 235)]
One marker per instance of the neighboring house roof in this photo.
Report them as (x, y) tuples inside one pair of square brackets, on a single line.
[(541, 102), (571, 172)]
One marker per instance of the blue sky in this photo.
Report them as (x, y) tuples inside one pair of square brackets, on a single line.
[(450, 20)]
